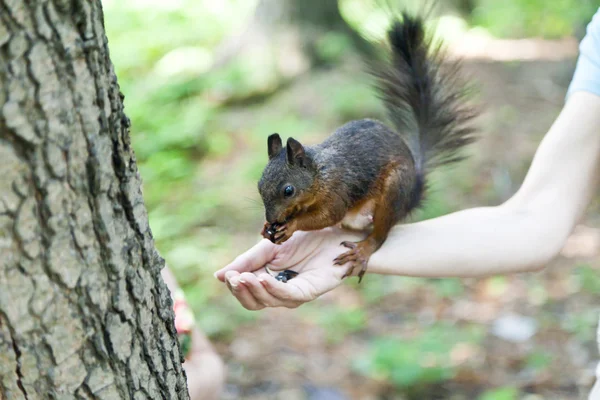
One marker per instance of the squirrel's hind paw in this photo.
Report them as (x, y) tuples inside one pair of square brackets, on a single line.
[(358, 255)]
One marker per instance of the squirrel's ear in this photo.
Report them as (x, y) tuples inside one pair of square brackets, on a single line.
[(274, 145), (295, 153)]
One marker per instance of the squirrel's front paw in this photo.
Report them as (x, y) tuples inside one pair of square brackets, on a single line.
[(268, 231), (277, 233), (284, 232)]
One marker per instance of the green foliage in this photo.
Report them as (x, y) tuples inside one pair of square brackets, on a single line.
[(521, 18), (365, 16), (448, 288), (504, 19), (222, 321), (332, 46), (344, 106), (435, 205), (421, 359), (377, 287), (582, 324), (160, 52), (504, 393), (538, 360), (589, 279), (340, 322), (444, 192)]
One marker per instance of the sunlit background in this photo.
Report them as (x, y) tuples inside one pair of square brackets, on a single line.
[(205, 83)]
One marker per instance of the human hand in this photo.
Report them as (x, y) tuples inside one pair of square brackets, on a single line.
[(311, 254)]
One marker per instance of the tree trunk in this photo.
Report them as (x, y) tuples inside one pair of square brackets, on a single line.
[(84, 313)]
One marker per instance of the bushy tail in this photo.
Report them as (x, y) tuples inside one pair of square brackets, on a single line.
[(425, 99)]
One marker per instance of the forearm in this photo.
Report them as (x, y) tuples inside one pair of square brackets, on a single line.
[(524, 233), (474, 242)]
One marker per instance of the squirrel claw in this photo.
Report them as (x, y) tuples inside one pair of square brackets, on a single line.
[(283, 232), (280, 238), (281, 228), (358, 255), (281, 235), (275, 233)]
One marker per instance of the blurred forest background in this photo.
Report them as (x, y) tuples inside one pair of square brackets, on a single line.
[(207, 81)]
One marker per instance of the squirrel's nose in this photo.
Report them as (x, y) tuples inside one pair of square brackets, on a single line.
[(271, 217)]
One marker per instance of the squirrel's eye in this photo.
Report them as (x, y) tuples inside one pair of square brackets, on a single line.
[(288, 191)]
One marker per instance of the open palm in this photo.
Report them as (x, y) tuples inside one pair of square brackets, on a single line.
[(310, 254)]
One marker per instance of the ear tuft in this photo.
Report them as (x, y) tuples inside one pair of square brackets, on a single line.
[(274, 145), (295, 153)]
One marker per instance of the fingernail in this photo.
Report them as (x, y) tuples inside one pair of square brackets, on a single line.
[(242, 281), (215, 275)]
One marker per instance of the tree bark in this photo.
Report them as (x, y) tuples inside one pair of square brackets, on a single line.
[(84, 313)]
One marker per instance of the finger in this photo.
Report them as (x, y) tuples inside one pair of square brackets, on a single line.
[(260, 293), (256, 257), (291, 292), (231, 279), (241, 292)]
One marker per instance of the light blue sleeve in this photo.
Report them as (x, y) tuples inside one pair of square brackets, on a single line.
[(587, 71)]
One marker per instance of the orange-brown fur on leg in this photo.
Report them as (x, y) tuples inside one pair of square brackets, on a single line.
[(390, 206)]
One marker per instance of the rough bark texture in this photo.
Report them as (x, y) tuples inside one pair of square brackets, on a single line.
[(84, 312)]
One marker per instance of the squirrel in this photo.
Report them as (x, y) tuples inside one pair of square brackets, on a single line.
[(366, 175)]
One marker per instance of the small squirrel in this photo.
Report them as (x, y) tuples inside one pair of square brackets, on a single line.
[(367, 176)]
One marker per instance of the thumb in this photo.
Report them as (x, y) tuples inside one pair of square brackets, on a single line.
[(255, 258)]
